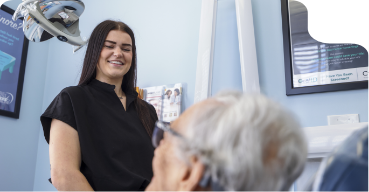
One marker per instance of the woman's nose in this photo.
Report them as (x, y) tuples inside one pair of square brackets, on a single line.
[(118, 52)]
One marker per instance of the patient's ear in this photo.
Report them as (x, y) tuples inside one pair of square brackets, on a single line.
[(191, 180)]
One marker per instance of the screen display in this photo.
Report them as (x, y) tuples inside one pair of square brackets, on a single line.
[(317, 63)]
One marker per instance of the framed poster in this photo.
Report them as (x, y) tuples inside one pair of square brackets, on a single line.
[(13, 55), (312, 66)]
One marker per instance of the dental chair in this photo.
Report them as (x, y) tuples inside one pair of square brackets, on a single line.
[(346, 168)]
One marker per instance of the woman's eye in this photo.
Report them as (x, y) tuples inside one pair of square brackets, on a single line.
[(110, 47), (127, 50)]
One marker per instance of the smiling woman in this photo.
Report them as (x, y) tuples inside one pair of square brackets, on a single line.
[(99, 131), (116, 56)]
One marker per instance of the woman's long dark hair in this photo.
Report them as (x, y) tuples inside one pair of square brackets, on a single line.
[(92, 56), (166, 93)]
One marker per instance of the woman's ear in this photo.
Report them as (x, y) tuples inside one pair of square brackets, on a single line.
[(191, 180)]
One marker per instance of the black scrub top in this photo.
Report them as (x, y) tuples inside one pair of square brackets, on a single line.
[(116, 149)]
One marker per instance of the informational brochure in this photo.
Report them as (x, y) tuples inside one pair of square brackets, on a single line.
[(154, 96), (166, 100), (172, 102)]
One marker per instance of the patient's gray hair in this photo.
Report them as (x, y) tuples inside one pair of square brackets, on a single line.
[(247, 142)]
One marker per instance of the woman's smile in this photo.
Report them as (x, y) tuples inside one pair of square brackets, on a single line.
[(116, 63)]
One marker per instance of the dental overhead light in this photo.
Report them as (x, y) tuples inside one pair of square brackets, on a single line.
[(45, 19)]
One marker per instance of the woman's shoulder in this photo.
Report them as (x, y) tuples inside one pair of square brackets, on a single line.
[(65, 102), (147, 103), (77, 90), (71, 95), (149, 106)]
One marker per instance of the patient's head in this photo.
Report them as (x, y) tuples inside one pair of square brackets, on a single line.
[(232, 141)]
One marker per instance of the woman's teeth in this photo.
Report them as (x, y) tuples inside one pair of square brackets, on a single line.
[(116, 62)]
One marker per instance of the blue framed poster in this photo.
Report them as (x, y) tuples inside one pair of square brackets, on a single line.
[(13, 54)]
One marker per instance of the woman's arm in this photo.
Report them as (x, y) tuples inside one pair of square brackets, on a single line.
[(65, 158)]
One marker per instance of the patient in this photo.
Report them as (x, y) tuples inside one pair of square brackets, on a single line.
[(232, 141)]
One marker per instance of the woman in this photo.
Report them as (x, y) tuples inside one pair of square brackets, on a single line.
[(167, 94), (177, 96), (99, 131)]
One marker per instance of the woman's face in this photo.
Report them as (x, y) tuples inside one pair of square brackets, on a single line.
[(175, 93), (115, 57)]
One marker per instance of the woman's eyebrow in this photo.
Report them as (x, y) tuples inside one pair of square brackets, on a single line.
[(116, 43), (110, 41)]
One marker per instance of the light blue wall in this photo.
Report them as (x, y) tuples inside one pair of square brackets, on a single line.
[(311, 109), (13, 3), (226, 67), (166, 34), (19, 137)]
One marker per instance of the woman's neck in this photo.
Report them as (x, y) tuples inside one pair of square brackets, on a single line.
[(117, 82)]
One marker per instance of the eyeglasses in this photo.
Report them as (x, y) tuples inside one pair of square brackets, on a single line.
[(158, 134)]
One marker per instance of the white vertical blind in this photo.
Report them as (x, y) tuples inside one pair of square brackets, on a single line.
[(205, 50), (246, 38)]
